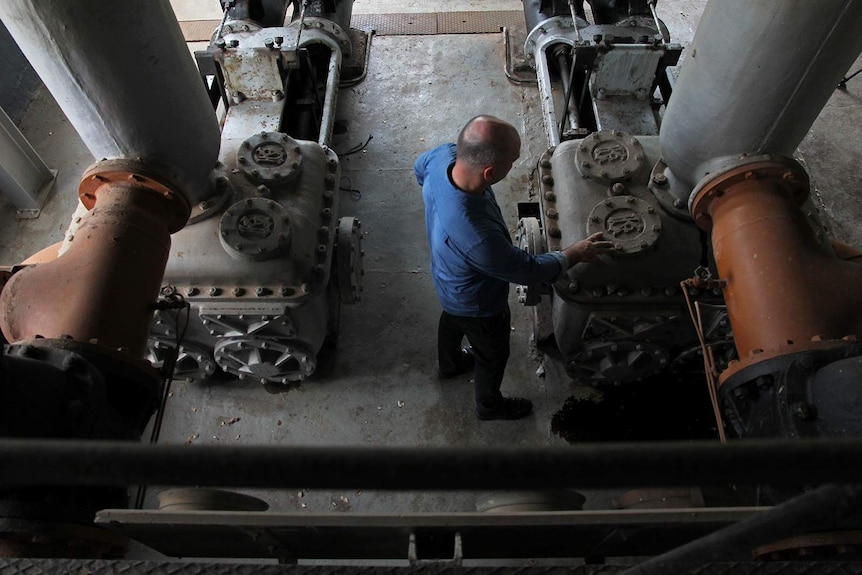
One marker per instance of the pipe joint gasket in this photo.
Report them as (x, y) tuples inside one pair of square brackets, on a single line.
[(782, 173), (137, 174)]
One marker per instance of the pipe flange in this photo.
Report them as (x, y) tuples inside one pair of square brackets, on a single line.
[(265, 361), (140, 175), (784, 173), (270, 158), (222, 192), (348, 260), (316, 30), (609, 157), (632, 224), (255, 229), (662, 189)]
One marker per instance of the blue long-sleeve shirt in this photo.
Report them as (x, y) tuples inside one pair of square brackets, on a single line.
[(472, 256)]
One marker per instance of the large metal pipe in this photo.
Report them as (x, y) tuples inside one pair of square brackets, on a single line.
[(785, 290), (123, 76), (327, 120), (102, 288), (825, 509), (600, 465), (785, 62)]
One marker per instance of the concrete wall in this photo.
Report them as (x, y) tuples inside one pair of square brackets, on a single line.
[(18, 81)]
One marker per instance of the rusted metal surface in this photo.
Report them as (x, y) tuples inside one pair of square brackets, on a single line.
[(102, 287), (812, 546), (141, 177), (785, 290), (45, 255)]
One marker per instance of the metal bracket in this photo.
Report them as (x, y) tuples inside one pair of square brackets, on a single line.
[(457, 554)]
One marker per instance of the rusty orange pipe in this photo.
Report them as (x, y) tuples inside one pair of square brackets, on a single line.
[(102, 288), (783, 287)]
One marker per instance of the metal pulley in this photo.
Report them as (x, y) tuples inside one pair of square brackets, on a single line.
[(266, 361), (531, 240)]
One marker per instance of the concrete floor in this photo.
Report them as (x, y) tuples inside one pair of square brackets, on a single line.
[(383, 390)]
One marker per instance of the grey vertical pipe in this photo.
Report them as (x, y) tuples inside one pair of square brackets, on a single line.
[(123, 75), (758, 74), (828, 508), (24, 177), (327, 120)]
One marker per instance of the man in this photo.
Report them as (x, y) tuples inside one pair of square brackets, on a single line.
[(473, 259)]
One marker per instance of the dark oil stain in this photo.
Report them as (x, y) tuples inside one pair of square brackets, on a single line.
[(653, 410)]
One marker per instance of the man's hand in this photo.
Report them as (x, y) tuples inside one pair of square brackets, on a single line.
[(588, 249)]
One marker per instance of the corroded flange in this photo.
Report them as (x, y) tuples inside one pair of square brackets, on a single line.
[(783, 171), (140, 175)]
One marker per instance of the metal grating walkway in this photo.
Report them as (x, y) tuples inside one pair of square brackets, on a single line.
[(425, 23), (438, 23)]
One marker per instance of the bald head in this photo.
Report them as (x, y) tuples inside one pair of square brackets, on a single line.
[(488, 141)]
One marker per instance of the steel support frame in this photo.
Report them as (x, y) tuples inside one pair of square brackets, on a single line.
[(24, 176), (831, 507)]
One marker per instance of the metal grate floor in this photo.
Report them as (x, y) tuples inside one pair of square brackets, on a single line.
[(481, 22), (198, 30), (426, 23)]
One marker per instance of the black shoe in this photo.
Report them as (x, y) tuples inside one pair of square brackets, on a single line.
[(465, 364), (511, 408)]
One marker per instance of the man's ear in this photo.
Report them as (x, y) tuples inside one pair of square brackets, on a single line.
[(488, 173)]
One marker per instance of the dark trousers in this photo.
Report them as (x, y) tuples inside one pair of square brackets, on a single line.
[(489, 337)]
